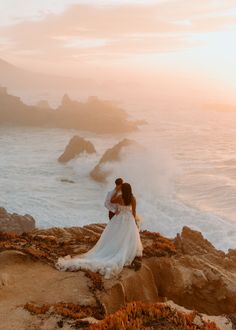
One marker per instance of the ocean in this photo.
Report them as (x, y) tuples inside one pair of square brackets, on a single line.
[(184, 174)]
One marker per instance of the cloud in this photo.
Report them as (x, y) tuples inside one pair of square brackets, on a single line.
[(121, 30)]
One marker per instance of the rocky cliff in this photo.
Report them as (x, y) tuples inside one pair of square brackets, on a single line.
[(186, 271), (12, 222)]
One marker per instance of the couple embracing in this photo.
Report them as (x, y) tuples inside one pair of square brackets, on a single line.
[(117, 192), (120, 241)]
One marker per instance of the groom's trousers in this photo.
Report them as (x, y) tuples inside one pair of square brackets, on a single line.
[(111, 215)]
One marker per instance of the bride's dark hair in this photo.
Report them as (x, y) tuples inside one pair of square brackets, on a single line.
[(126, 193)]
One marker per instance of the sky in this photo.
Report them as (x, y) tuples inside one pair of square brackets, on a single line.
[(149, 41)]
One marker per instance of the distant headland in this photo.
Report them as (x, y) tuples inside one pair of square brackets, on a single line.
[(94, 115)]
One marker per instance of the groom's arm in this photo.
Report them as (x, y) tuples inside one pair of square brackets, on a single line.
[(108, 201), (116, 197)]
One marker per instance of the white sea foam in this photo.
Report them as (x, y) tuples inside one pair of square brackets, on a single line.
[(152, 178), (185, 176)]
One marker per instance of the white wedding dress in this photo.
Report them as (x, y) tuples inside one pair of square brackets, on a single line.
[(118, 245)]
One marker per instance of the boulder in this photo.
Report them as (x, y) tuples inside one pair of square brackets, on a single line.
[(131, 286), (198, 277), (111, 155), (75, 147), (15, 223)]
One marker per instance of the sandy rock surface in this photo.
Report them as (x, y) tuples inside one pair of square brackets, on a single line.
[(187, 270)]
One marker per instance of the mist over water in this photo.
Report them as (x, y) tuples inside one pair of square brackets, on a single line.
[(184, 174)]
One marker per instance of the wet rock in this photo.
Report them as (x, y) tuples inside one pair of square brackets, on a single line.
[(67, 181), (75, 147), (111, 155)]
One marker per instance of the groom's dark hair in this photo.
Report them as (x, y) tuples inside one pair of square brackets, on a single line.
[(119, 181)]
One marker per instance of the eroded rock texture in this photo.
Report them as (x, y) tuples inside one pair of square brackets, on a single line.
[(75, 147), (113, 154), (12, 222), (187, 270)]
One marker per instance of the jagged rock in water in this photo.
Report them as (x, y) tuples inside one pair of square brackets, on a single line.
[(15, 223), (112, 154), (67, 181), (75, 147)]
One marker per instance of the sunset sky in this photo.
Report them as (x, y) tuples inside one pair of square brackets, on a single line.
[(112, 39)]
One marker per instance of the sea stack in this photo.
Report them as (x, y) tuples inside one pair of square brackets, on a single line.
[(75, 147), (112, 154)]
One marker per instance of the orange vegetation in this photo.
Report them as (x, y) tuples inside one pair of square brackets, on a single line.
[(67, 311), (156, 245), (49, 245), (135, 315), (46, 248), (138, 315)]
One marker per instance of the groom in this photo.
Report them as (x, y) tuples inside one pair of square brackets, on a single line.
[(112, 208)]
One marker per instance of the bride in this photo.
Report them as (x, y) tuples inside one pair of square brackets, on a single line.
[(118, 245)]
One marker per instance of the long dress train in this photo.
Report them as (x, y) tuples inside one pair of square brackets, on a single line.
[(118, 245)]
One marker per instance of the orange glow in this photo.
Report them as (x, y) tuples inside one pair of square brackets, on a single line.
[(147, 45)]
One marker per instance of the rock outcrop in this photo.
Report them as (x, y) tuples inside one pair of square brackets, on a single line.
[(94, 115), (75, 147), (15, 223), (198, 276), (186, 270), (111, 155)]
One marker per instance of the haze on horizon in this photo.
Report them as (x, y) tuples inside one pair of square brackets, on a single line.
[(164, 47)]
